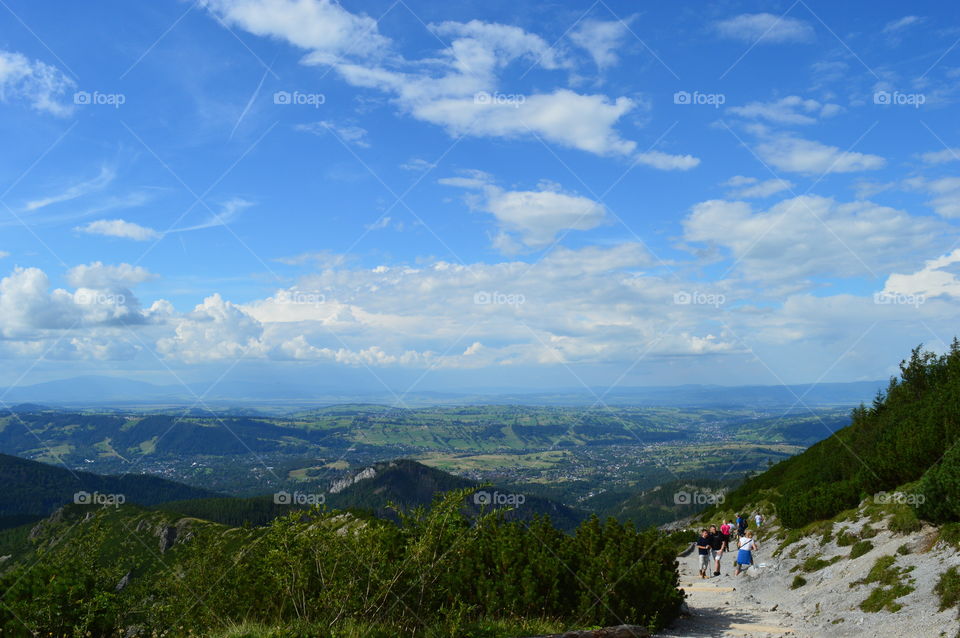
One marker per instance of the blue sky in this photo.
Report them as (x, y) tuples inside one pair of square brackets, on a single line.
[(434, 196)]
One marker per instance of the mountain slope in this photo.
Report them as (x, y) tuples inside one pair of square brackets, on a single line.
[(32, 490), (901, 438)]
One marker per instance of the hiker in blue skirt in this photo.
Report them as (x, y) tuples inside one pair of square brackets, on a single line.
[(745, 554)]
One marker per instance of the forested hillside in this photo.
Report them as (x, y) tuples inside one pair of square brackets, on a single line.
[(908, 434), (32, 490)]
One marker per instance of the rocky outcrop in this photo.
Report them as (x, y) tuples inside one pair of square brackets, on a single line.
[(338, 486)]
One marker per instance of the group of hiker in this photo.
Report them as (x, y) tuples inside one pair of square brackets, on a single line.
[(715, 541)]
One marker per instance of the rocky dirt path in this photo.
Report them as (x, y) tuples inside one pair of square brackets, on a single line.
[(721, 607)]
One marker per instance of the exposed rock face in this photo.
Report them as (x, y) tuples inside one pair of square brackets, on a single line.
[(168, 536), (621, 631), (124, 582), (338, 486)]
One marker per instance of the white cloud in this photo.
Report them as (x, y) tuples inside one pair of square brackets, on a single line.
[(941, 157), (765, 28), (797, 155), (119, 228), (350, 134), (100, 275), (534, 217), (322, 26), (792, 109), (215, 330), (101, 181), (229, 210), (601, 39), (902, 23), (457, 88), (938, 277), (945, 192), (32, 81), (667, 162), (751, 187), (584, 122), (804, 237)]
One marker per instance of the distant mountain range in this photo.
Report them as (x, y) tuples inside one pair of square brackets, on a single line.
[(106, 391)]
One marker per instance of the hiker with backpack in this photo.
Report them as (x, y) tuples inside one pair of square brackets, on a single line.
[(717, 545), (741, 525), (745, 552)]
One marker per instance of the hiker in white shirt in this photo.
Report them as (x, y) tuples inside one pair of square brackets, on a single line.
[(745, 553)]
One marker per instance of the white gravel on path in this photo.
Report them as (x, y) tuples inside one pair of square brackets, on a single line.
[(760, 602)]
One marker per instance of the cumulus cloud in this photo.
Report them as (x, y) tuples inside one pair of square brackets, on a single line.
[(938, 277), (323, 27), (798, 155), (751, 187), (765, 28), (667, 162), (941, 157), (38, 84), (601, 39), (119, 228), (945, 192), (801, 238), (792, 109), (534, 217), (459, 87)]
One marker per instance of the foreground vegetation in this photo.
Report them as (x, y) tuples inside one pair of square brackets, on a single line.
[(434, 573)]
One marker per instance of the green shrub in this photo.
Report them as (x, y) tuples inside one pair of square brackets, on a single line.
[(860, 548), (903, 550), (867, 532), (948, 588), (798, 582), (885, 598), (904, 520), (845, 539), (950, 534), (815, 563)]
